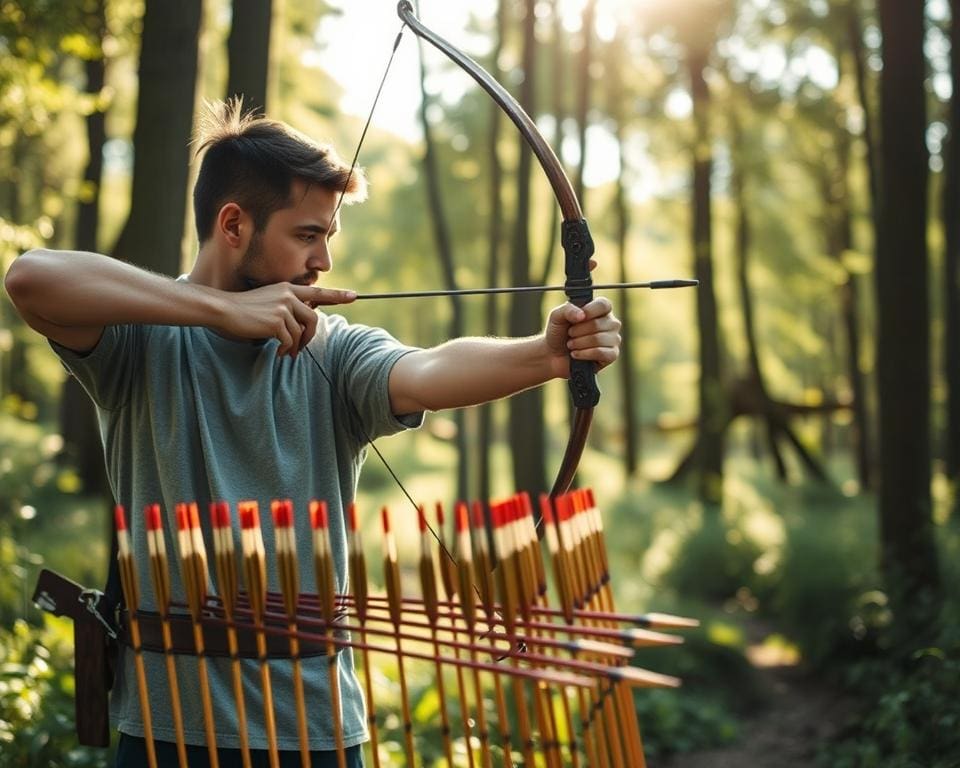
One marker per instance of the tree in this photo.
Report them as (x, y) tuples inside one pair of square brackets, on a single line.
[(495, 236), (154, 229), (951, 227), (444, 248), (78, 424), (618, 96), (909, 556), (248, 51), (527, 439)]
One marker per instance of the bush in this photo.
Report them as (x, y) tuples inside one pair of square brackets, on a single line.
[(823, 593), (36, 699), (911, 717), (714, 563)]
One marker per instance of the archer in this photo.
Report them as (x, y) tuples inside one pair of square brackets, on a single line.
[(202, 392)]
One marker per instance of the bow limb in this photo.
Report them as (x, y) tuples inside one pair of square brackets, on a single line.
[(575, 238)]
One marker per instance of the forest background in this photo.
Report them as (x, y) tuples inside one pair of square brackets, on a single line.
[(777, 450)]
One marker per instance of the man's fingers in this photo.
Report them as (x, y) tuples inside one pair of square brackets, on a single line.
[(317, 297), (608, 338), (593, 332), (590, 327), (597, 307), (593, 309), (283, 336), (568, 313), (307, 319), (603, 356)]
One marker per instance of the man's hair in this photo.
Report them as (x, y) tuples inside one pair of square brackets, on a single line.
[(252, 161)]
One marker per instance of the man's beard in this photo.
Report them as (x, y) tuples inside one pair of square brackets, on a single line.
[(250, 271), (251, 259)]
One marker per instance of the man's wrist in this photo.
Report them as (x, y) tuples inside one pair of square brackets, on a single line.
[(544, 357), (212, 307)]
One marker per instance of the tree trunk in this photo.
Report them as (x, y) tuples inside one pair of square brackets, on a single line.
[(557, 91), (713, 419), (951, 283), (841, 242), (248, 50), (909, 557), (88, 209), (153, 234), (441, 236), (583, 95), (17, 373), (628, 386), (855, 38), (754, 374), (527, 439), (78, 423), (750, 395), (492, 314)]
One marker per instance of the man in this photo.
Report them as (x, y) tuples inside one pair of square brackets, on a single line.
[(203, 394)]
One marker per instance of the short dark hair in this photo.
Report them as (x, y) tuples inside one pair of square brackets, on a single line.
[(252, 161)]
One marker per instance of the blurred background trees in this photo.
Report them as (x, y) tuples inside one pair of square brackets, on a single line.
[(778, 450)]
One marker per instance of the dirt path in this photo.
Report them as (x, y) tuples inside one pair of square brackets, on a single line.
[(799, 714)]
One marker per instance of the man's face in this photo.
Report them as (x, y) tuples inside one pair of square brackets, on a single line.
[(294, 246)]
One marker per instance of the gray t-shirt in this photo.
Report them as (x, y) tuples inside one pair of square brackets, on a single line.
[(188, 415)]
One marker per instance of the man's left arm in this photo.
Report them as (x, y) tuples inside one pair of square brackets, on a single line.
[(470, 371)]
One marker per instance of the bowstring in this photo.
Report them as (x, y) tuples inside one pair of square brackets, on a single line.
[(366, 125), (336, 393)]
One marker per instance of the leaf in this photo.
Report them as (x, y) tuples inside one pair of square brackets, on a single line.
[(427, 707)]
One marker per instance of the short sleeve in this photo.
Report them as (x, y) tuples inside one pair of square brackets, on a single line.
[(108, 370), (360, 359)]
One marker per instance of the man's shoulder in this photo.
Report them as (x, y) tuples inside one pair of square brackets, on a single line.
[(336, 330)]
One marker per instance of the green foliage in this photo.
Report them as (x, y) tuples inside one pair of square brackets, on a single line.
[(15, 560), (908, 689), (36, 699), (715, 562), (824, 593), (911, 716), (719, 687), (680, 722)]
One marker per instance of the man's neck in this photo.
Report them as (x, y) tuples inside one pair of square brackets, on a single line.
[(214, 270)]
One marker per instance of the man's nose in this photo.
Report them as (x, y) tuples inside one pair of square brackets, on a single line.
[(320, 259)]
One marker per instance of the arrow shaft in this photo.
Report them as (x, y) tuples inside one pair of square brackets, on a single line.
[(654, 284)]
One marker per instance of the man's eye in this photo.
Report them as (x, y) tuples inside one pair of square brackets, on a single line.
[(308, 237)]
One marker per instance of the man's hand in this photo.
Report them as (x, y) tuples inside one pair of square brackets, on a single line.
[(591, 332), (282, 311)]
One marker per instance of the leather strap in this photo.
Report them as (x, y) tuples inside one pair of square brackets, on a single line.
[(94, 636), (215, 637), (62, 597)]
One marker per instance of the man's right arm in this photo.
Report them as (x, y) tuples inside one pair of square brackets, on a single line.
[(70, 296)]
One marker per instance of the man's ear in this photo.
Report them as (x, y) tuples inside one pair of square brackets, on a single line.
[(232, 224)]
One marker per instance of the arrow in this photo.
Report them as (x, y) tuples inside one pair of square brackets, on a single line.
[(653, 284)]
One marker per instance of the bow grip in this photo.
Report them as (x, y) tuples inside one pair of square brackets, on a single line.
[(578, 248)]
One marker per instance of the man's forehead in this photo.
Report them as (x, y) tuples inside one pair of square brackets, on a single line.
[(313, 205)]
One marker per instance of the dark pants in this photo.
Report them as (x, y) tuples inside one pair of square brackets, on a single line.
[(132, 753)]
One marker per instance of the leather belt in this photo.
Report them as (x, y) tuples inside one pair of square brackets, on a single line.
[(96, 635), (215, 642)]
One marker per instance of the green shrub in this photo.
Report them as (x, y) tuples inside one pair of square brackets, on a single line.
[(714, 562), (719, 687), (822, 594), (36, 700), (911, 716), (676, 722)]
